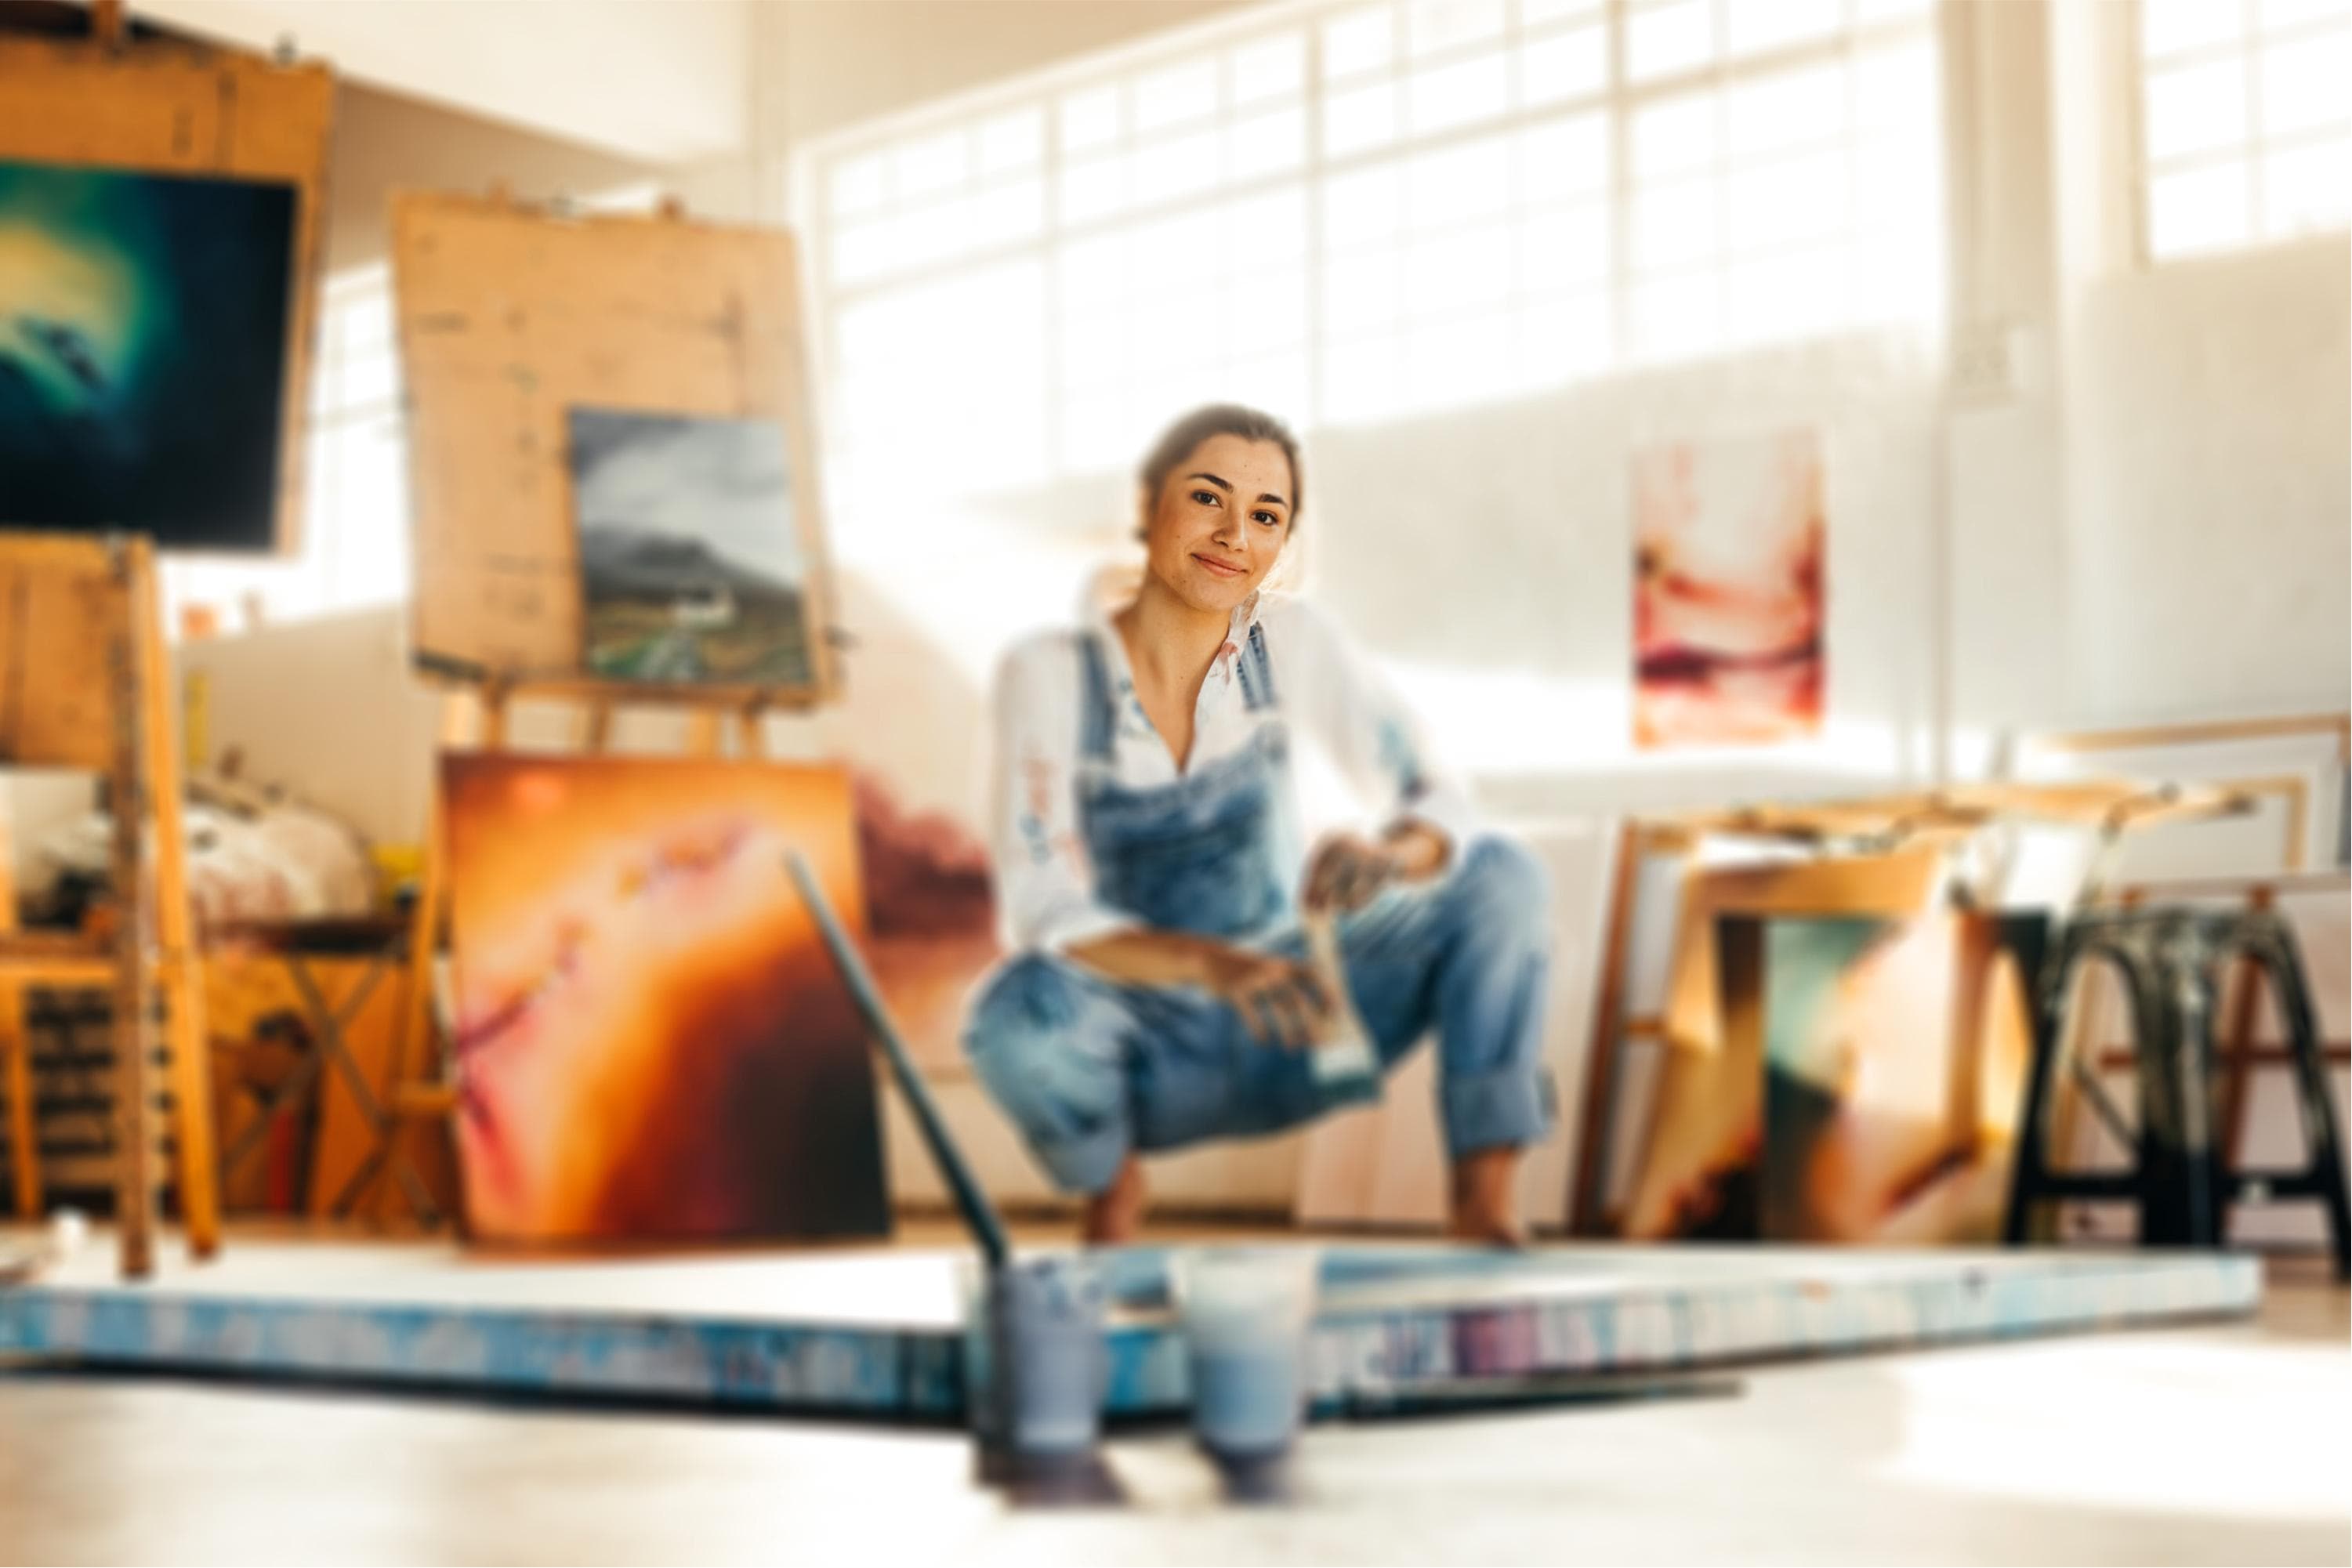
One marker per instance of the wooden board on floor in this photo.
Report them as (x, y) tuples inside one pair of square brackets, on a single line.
[(508, 318), (181, 109)]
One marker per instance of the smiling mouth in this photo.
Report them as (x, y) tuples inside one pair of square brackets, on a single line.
[(1220, 568)]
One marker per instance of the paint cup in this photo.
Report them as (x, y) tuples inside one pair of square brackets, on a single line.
[(1245, 1312), (1049, 1364)]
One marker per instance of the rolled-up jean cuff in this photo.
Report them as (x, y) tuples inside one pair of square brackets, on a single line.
[(1507, 1109), (1084, 1164)]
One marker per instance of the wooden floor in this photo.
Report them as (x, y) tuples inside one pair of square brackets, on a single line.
[(2206, 1445)]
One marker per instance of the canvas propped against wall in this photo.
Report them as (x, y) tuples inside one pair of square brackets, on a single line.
[(1728, 538), (159, 247), (1888, 1058), (651, 1040), (569, 379)]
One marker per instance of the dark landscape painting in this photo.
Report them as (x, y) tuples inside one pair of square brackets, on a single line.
[(690, 567), (143, 324)]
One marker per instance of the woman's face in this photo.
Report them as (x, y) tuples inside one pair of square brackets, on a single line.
[(1220, 521)]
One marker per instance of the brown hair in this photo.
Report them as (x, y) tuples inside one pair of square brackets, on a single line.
[(1177, 441)]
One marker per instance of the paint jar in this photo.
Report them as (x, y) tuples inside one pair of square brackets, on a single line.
[(1245, 1312), (1049, 1362)]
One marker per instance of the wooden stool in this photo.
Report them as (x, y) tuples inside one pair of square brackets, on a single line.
[(2169, 959)]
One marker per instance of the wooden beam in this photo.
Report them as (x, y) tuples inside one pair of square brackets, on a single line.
[(17, 1045), (181, 966), (2149, 737), (131, 788), (1587, 1192), (106, 22)]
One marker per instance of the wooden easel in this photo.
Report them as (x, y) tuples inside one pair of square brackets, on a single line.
[(88, 685), (89, 688), (510, 318)]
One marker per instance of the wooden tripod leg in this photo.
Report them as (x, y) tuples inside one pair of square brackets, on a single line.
[(181, 966), (17, 1047), (412, 1043), (133, 990), (1588, 1195)]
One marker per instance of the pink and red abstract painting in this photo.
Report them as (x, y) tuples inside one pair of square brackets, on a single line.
[(1728, 591)]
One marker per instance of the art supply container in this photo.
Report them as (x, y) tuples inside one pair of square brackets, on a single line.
[(1040, 1391), (1245, 1312)]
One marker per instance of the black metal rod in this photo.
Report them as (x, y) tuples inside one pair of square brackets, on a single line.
[(978, 1213)]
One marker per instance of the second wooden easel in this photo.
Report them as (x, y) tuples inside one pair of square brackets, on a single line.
[(88, 685)]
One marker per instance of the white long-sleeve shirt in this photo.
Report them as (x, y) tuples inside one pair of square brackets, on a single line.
[(1326, 691)]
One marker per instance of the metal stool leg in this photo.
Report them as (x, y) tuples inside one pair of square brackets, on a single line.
[(2323, 1142), (2181, 1203), (2048, 1010)]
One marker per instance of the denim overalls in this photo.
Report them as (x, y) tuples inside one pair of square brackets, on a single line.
[(1089, 1069)]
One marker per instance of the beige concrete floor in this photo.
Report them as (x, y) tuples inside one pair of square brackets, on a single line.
[(2220, 1444)]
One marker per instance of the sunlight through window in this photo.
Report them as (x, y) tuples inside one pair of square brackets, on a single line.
[(2245, 127), (1354, 212)]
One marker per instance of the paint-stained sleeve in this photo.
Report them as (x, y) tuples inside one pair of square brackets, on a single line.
[(1337, 694), (1045, 885)]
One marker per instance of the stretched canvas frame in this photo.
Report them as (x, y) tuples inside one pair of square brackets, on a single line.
[(174, 108), (510, 317)]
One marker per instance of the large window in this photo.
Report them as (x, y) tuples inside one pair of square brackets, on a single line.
[(2245, 121), (1352, 213)]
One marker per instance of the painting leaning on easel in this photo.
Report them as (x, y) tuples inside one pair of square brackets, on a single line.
[(651, 1042), (689, 567), (143, 323)]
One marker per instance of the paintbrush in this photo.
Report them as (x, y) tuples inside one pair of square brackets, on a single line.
[(1344, 1058), (978, 1213)]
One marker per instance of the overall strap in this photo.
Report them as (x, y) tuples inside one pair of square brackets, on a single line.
[(1097, 716), (1256, 673)]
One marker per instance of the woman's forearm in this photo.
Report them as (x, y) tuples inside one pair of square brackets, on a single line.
[(1150, 958)]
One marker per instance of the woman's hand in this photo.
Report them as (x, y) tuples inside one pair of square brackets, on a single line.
[(1282, 1002), (1348, 871)]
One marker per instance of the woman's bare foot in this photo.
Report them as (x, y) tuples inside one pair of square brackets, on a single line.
[(1116, 1214), (1485, 1198)]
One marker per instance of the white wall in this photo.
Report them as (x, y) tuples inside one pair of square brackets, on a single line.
[(2208, 546), (662, 79)]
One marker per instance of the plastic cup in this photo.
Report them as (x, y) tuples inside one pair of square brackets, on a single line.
[(1245, 1312), (1048, 1362)]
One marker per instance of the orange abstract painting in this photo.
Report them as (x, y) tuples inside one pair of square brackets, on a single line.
[(1728, 591), (651, 1040)]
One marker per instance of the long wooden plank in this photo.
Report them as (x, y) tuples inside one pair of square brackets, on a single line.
[(15, 1045), (1598, 1103), (2149, 737), (131, 786), (178, 963)]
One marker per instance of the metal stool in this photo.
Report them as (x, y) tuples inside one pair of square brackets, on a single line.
[(2169, 959)]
